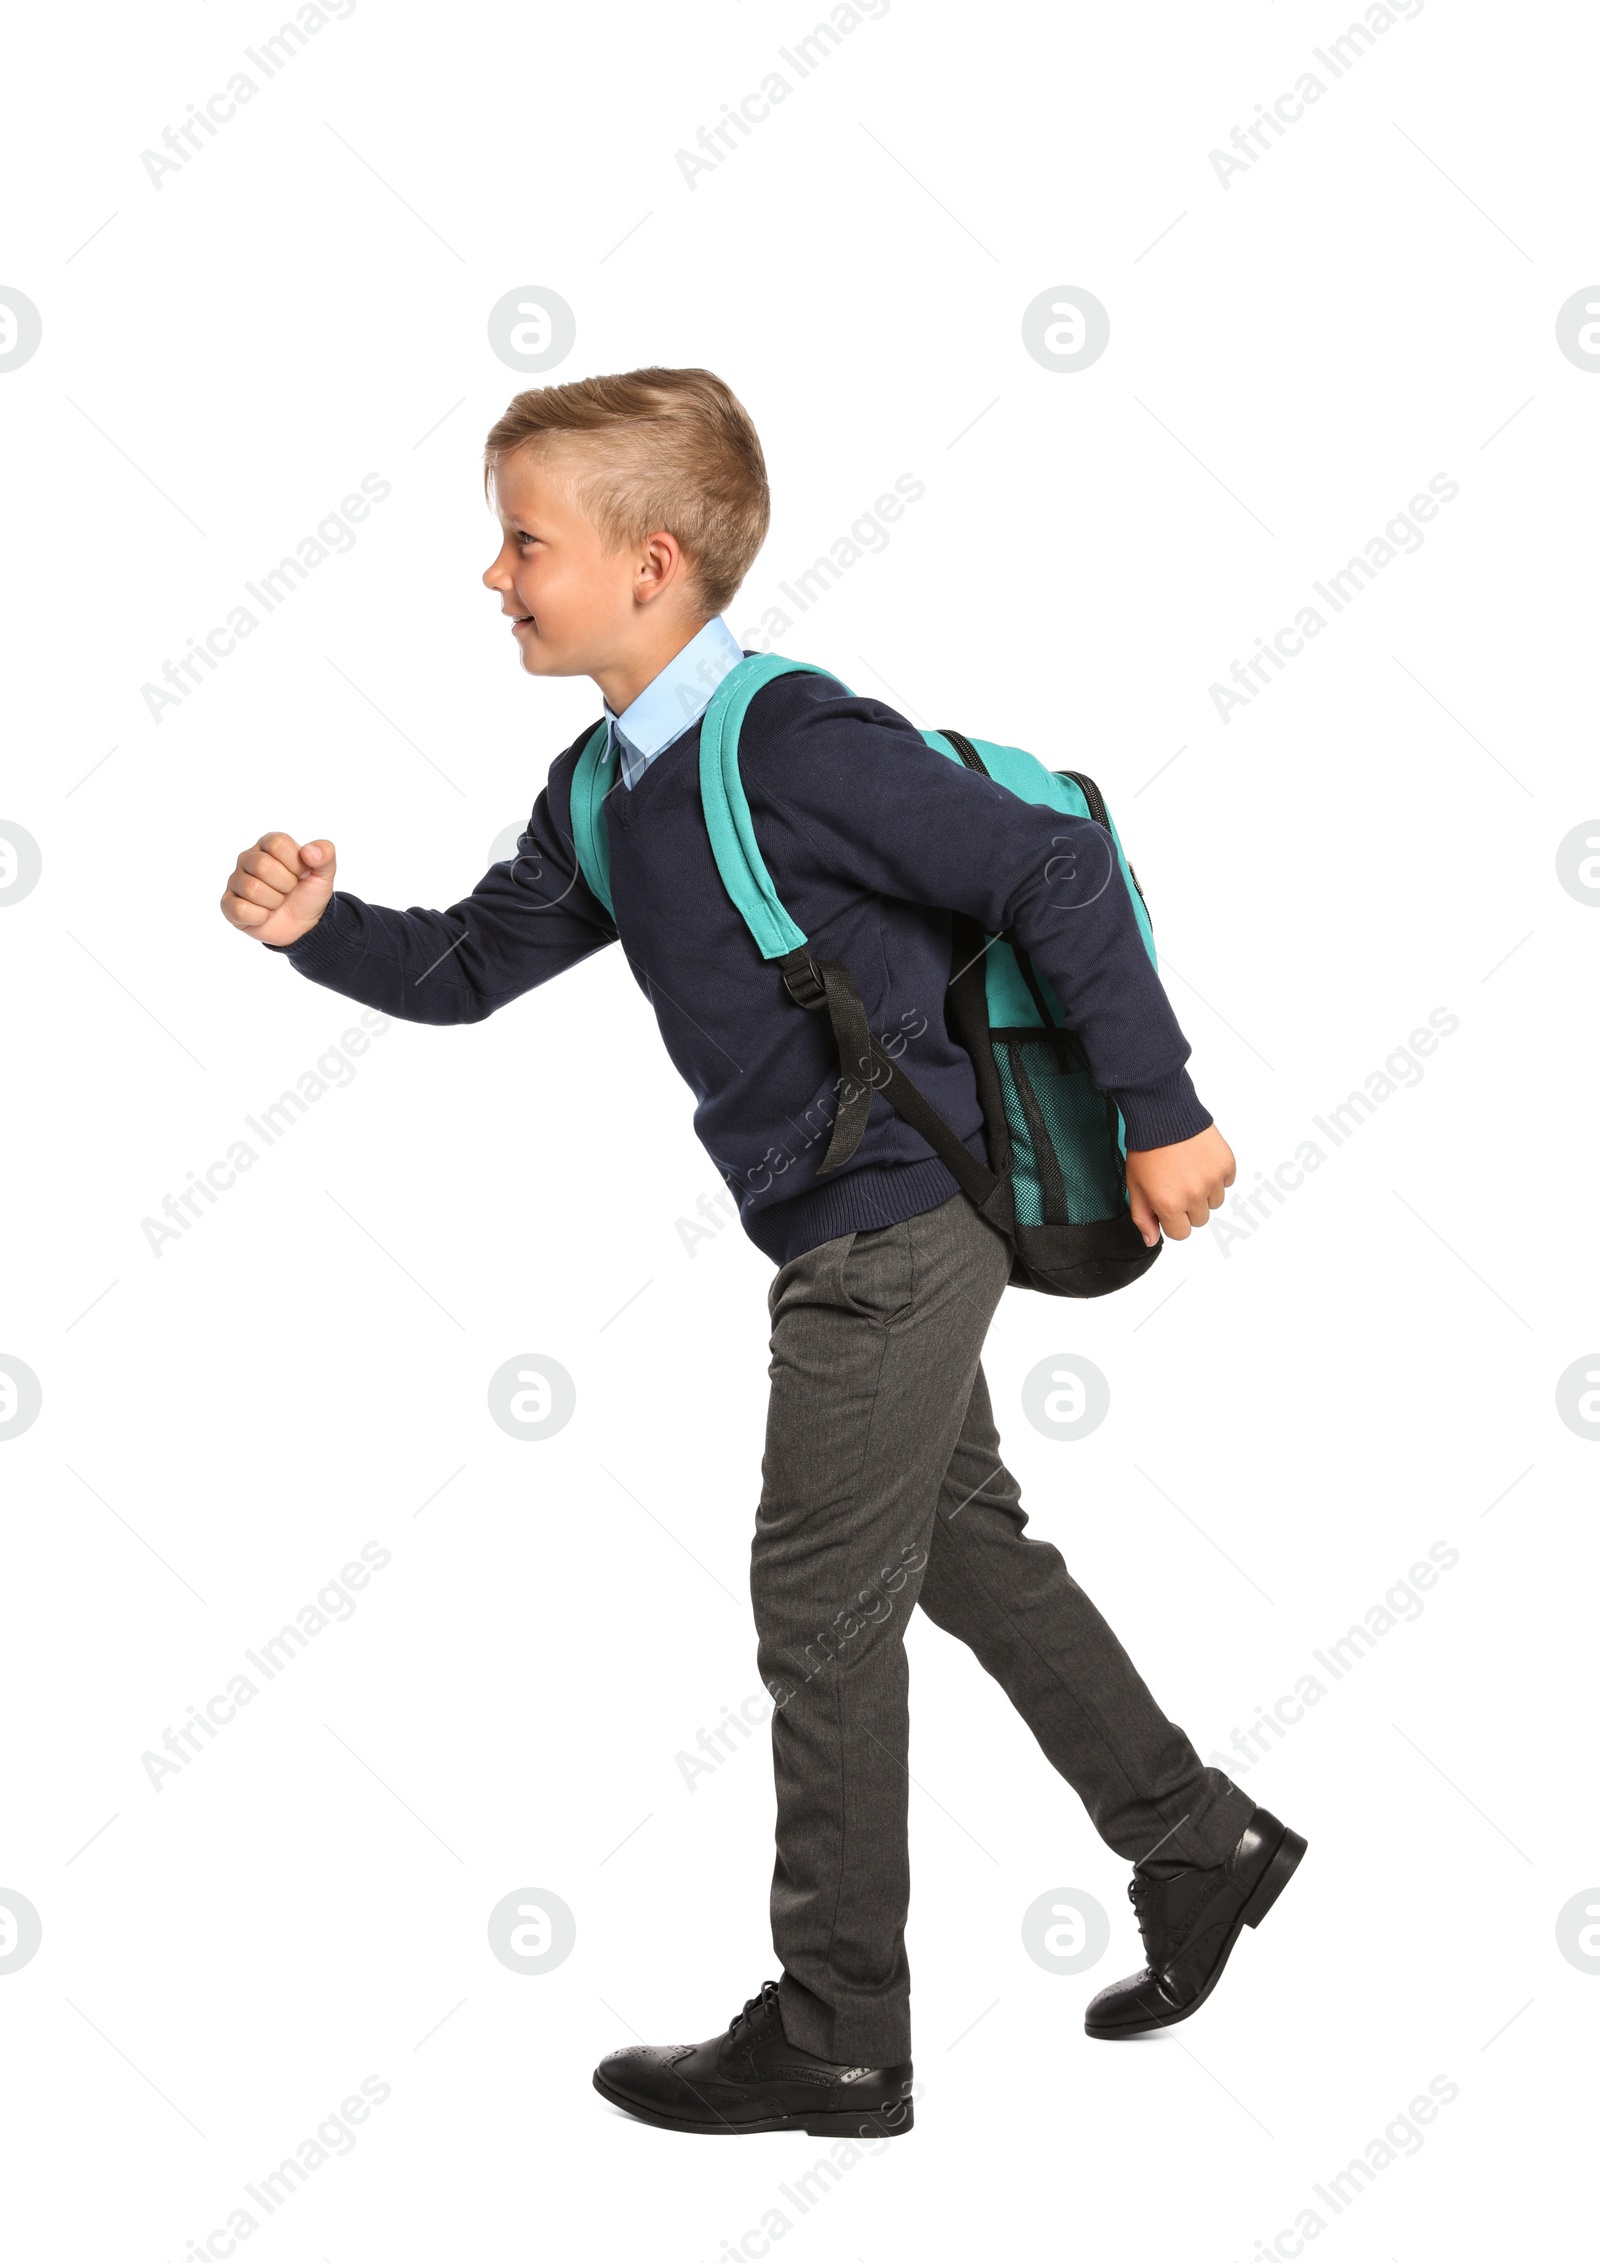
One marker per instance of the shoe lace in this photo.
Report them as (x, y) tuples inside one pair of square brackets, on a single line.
[(766, 1994), (1142, 1893)]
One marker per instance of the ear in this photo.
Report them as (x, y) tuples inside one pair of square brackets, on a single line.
[(661, 566)]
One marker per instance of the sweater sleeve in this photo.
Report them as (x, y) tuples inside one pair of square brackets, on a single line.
[(527, 919), (881, 807)]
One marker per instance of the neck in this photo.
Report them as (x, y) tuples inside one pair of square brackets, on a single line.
[(622, 680)]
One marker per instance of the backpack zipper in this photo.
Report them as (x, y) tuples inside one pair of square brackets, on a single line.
[(1092, 795), (1097, 810), (967, 751)]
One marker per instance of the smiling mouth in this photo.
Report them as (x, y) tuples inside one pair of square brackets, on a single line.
[(521, 621)]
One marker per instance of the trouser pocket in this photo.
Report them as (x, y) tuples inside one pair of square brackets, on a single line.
[(876, 1273)]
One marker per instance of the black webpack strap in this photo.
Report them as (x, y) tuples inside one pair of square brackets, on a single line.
[(826, 986), (1052, 1028)]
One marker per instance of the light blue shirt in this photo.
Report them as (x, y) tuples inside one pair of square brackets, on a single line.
[(672, 702)]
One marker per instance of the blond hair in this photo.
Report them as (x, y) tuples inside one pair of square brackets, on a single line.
[(654, 449)]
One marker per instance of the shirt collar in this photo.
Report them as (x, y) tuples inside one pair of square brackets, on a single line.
[(673, 701)]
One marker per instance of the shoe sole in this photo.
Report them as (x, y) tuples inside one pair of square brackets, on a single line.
[(861, 2124), (1284, 1862)]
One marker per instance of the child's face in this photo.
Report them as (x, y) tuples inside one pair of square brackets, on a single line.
[(571, 600)]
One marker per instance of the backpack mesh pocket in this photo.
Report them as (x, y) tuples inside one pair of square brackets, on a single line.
[(1066, 1163)]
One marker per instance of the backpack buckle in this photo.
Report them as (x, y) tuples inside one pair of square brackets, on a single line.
[(802, 981)]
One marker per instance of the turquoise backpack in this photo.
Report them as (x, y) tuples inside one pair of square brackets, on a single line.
[(1055, 1183)]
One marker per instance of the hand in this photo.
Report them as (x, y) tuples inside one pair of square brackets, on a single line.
[(1173, 1188), (278, 892)]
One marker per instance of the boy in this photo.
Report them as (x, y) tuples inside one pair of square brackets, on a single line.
[(632, 507)]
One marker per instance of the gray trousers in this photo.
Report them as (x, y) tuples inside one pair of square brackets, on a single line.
[(883, 1488)]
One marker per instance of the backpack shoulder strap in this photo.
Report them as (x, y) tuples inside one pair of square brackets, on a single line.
[(727, 812), (824, 987), (593, 776)]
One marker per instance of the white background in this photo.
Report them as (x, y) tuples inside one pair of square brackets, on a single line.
[(1297, 1415)]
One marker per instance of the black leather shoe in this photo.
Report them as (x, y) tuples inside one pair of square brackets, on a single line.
[(751, 2077), (1189, 1922)]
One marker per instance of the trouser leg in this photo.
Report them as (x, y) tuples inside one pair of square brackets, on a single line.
[(875, 1346), (1012, 1599)]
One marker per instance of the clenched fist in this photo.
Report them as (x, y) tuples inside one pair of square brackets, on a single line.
[(1173, 1188), (279, 891)]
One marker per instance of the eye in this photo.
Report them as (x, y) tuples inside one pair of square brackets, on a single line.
[(523, 539)]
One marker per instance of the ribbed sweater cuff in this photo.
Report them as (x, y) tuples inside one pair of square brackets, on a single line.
[(1159, 1115), (322, 949)]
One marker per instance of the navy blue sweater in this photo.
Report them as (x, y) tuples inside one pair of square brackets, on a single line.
[(872, 840)]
